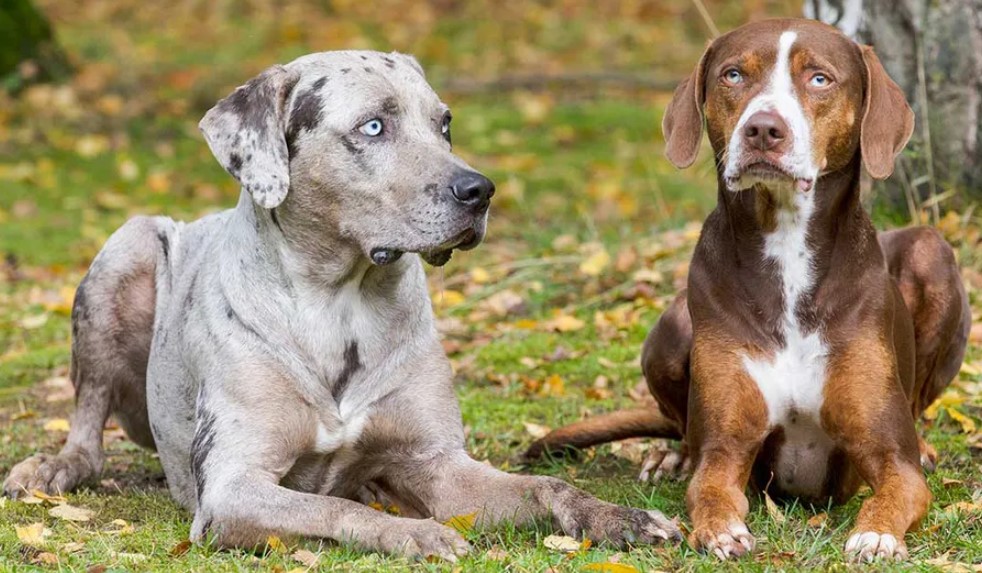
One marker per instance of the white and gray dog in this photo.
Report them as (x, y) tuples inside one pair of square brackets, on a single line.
[(281, 356)]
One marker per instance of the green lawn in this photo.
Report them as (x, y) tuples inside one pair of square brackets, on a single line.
[(589, 238)]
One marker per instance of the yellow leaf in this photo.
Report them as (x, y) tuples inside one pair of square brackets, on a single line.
[(447, 298), (562, 543), (276, 544), (57, 425), (610, 568), (968, 425), (46, 558), (54, 499), (71, 513), (123, 527), (818, 520), (553, 386), (32, 534), (462, 523), (565, 323), (773, 510), (595, 263), (479, 275), (376, 506)]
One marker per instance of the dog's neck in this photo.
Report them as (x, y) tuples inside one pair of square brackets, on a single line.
[(326, 263), (831, 211)]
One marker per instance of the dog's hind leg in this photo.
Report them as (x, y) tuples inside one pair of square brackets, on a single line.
[(112, 326), (926, 272)]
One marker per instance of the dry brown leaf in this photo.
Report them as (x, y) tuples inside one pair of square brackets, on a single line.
[(45, 558), (181, 548), (306, 557), (70, 512), (773, 510), (818, 520), (496, 553), (72, 547)]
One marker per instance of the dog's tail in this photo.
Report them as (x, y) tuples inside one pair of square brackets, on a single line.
[(646, 422)]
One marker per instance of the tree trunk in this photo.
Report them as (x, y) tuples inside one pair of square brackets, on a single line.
[(933, 49), (28, 51)]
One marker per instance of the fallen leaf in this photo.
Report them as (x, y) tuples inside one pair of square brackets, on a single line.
[(462, 523), (57, 425), (71, 513), (32, 534), (773, 510), (72, 547), (122, 527), (562, 543), (818, 520), (46, 558), (306, 557), (564, 323), (537, 431), (181, 548), (276, 544), (53, 499), (609, 567), (595, 264), (497, 554)]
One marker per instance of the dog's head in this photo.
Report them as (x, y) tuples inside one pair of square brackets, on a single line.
[(786, 101), (355, 146)]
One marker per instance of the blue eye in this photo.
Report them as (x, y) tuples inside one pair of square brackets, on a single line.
[(733, 76), (820, 80), (372, 127)]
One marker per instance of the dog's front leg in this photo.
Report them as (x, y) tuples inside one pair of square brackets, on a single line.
[(458, 485), (866, 413), (727, 422), (244, 511)]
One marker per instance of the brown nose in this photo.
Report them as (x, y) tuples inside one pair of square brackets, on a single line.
[(765, 130)]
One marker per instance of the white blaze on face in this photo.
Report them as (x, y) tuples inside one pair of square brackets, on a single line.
[(779, 97)]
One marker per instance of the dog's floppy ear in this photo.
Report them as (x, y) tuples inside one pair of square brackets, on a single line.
[(682, 124), (887, 119), (246, 133)]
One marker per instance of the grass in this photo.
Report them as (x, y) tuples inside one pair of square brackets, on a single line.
[(579, 174)]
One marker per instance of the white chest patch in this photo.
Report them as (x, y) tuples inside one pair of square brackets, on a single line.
[(793, 380)]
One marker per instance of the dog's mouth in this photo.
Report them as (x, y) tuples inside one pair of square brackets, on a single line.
[(764, 171), (437, 256), (465, 241)]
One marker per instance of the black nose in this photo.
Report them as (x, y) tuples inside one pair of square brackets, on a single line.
[(765, 130), (473, 189)]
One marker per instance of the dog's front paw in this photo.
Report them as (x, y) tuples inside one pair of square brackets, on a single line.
[(620, 526), (53, 475), (868, 545), (419, 538), (664, 462), (723, 539)]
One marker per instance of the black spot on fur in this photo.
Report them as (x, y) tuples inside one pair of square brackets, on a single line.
[(364, 58), (234, 163), (369, 70), (432, 189), (390, 106), (201, 445), (350, 146), (389, 62), (189, 297), (345, 70), (352, 364), (164, 244), (306, 114)]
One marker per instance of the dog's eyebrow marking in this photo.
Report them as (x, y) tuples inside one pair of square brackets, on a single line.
[(390, 106), (201, 445), (352, 363), (306, 114)]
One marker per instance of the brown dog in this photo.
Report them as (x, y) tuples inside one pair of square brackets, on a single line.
[(806, 346)]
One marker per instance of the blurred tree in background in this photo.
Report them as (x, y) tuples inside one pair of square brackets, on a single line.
[(933, 49), (28, 51)]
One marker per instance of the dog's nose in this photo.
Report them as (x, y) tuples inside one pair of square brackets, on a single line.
[(765, 130), (473, 189)]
